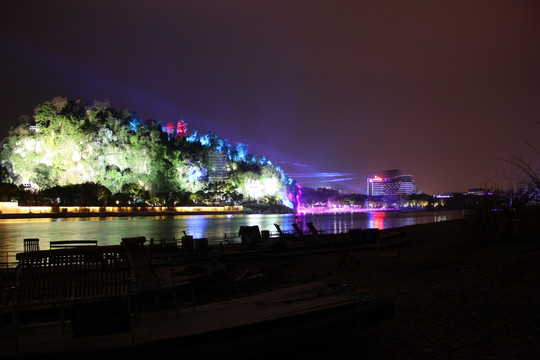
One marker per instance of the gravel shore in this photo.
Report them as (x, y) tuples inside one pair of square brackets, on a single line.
[(458, 295)]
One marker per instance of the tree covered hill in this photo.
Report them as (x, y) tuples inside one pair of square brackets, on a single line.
[(73, 142)]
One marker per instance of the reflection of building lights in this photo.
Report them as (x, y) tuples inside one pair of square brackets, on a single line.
[(376, 220)]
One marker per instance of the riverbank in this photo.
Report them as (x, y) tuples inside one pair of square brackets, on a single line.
[(11, 210), (106, 214), (459, 293)]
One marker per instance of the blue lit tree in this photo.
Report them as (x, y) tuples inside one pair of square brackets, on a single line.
[(76, 142)]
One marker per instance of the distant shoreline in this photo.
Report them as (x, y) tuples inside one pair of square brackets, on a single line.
[(12, 210), (113, 214), (106, 214)]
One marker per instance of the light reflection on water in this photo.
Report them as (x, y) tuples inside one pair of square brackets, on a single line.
[(110, 230)]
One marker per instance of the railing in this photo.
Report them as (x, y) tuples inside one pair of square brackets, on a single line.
[(67, 244), (233, 238), (8, 259), (227, 238)]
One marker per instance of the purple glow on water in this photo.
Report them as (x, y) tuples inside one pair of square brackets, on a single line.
[(341, 210), (376, 220), (343, 222)]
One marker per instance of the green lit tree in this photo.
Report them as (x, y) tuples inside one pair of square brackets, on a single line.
[(73, 142), (8, 192)]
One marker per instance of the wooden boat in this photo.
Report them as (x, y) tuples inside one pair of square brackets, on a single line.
[(227, 329)]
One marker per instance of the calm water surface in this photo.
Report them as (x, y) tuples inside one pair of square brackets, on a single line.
[(110, 231)]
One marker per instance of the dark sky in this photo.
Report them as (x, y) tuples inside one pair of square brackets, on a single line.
[(335, 89)]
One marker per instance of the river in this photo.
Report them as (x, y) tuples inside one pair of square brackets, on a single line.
[(110, 230)]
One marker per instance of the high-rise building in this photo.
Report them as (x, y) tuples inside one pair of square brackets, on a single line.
[(218, 170), (396, 185)]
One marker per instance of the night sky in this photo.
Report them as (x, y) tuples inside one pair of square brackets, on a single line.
[(330, 91)]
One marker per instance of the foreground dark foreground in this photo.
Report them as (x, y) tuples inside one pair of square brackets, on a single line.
[(459, 292)]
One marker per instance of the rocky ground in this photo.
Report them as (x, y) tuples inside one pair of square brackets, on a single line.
[(458, 294)]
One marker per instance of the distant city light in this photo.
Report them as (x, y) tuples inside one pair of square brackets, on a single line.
[(396, 185)]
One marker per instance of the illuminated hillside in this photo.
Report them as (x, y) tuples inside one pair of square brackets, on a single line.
[(75, 142)]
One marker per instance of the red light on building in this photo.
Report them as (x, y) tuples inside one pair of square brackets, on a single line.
[(181, 129), (169, 128)]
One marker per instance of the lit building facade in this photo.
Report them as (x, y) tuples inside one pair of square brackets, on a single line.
[(219, 170), (386, 186)]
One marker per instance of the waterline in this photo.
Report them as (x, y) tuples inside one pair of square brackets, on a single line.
[(110, 230)]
